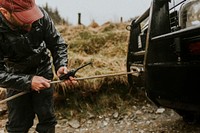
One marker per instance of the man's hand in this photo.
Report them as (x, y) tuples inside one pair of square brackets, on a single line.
[(40, 83), (64, 70)]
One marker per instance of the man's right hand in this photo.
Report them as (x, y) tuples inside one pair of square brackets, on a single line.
[(39, 83)]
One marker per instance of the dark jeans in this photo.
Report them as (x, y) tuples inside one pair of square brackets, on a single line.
[(23, 109)]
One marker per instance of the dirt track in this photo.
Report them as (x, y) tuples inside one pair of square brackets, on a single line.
[(141, 117)]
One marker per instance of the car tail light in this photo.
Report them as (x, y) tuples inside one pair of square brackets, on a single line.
[(194, 48)]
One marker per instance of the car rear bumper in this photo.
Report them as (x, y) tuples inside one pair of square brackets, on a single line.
[(174, 85)]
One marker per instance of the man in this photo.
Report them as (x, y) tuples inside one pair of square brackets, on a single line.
[(27, 34)]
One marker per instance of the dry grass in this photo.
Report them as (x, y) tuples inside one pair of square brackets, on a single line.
[(106, 47)]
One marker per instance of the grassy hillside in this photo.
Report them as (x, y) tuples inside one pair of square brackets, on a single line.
[(105, 46)]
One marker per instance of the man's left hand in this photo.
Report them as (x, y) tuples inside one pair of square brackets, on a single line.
[(65, 70)]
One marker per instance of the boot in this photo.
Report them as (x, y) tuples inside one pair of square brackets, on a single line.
[(51, 130)]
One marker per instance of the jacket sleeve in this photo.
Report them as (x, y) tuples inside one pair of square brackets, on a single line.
[(54, 42), (20, 82)]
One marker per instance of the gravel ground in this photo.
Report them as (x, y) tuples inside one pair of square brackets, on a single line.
[(143, 117)]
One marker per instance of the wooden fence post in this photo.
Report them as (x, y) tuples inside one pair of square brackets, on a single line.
[(121, 19), (79, 18)]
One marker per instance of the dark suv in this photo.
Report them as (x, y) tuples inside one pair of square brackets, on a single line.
[(164, 49)]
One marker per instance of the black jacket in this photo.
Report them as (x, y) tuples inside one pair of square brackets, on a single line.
[(25, 54)]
